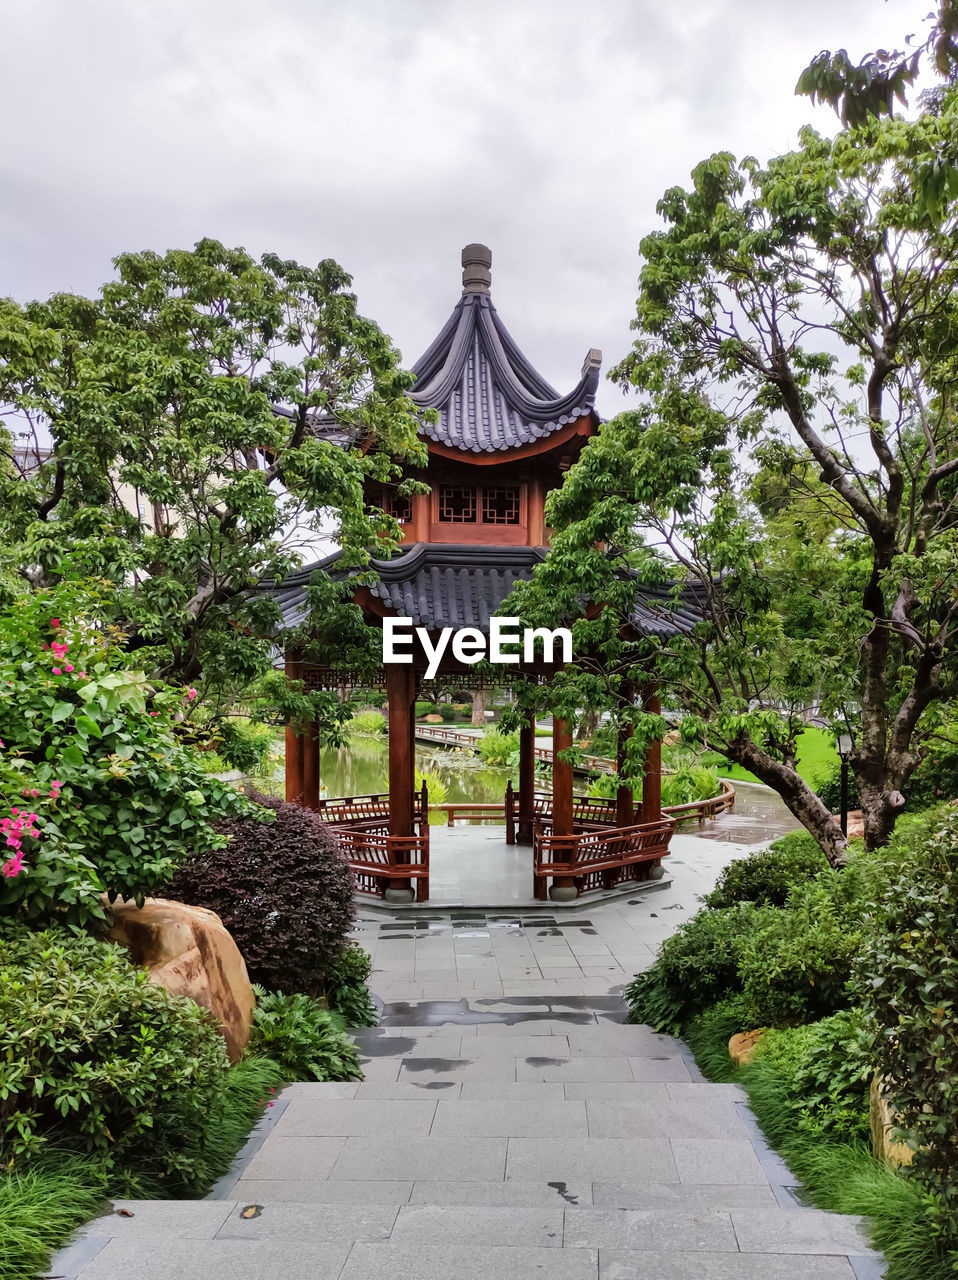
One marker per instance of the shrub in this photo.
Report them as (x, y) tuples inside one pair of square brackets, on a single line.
[(498, 748), (93, 1056), (368, 723), (795, 966), (825, 1069), (97, 792), (768, 876), (907, 978), (40, 1207), (245, 745), (447, 711), (426, 709), (697, 966), (306, 1041), (690, 782), (284, 891), (346, 991)]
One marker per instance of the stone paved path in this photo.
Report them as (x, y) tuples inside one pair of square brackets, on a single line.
[(509, 1126)]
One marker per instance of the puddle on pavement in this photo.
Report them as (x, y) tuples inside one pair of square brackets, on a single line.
[(436, 1064)]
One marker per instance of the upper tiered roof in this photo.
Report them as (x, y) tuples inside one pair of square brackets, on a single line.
[(489, 397)]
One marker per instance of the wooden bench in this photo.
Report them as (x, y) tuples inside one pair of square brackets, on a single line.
[(597, 859), (378, 860)]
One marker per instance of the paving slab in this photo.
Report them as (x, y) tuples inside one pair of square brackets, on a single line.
[(717, 1160), (649, 1229), (421, 1159), (799, 1231), (320, 1191), (505, 1193), (292, 1221), (188, 1219), (466, 1262), (524, 1118), (217, 1260), (481, 1225), (401, 1118), (631, 1264), (591, 1160)]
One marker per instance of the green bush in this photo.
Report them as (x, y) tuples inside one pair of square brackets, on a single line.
[(370, 724), (497, 748), (690, 782), (96, 792), (697, 966), (796, 965), (284, 891), (768, 876), (826, 1068), (306, 1041), (245, 745), (907, 979), (346, 991), (426, 709), (447, 711), (95, 1057)]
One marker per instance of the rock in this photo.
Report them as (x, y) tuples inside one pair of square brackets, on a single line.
[(433, 719), (881, 1121), (189, 952), (741, 1047)]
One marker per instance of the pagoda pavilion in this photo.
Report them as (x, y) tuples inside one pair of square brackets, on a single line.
[(501, 441)]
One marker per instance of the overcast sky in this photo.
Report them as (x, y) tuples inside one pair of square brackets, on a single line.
[(389, 133)]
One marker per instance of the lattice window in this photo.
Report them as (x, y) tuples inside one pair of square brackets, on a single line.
[(500, 506), (457, 504), (398, 507)]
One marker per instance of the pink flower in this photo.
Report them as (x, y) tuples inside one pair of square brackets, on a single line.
[(54, 783), (54, 622), (13, 866), (57, 671), (152, 713), (68, 667), (82, 675), (191, 694)]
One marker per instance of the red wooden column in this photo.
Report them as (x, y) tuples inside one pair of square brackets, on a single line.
[(527, 780), (652, 782), (401, 694), (295, 776), (563, 887), (310, 756)]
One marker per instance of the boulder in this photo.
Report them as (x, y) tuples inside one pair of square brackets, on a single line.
[(188, 951), (741, 1047), (433, 719), (881, 1121)]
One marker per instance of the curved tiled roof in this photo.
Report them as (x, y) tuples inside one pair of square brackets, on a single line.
[(446, 585), (487, 393)]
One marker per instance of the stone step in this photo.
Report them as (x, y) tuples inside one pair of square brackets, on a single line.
[(421, 1237)]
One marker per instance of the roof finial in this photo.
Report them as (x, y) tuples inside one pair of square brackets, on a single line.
[(476, 261)]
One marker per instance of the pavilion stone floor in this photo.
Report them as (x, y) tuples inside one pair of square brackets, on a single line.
[(510, 1126)]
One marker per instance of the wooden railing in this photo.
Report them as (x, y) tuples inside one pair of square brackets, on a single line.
[(597, 859), (380, 860), (455, 738)]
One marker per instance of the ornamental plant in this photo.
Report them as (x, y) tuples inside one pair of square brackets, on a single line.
[(96, 792)]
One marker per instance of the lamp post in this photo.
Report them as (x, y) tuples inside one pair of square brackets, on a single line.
[(844, 751)]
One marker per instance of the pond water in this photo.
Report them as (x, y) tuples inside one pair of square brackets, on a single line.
[(362, 767)]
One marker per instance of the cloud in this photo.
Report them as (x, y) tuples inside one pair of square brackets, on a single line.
[(388, 133)]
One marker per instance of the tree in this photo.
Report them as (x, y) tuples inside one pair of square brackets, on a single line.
[(796, 349), (863, 92), (206, 415)]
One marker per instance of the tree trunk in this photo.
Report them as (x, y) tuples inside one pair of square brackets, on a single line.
[(797, 794), (880, 810), (479, 707), (588, 723)]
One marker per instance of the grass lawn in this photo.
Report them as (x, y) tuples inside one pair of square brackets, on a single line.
[(817, 758)]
